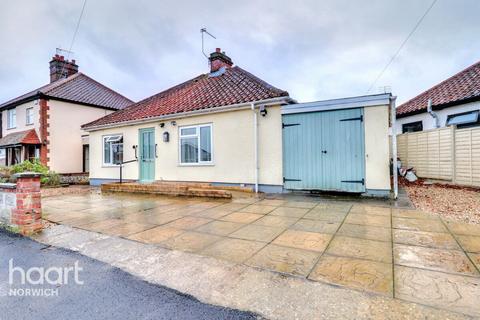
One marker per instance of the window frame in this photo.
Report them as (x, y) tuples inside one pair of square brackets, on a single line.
[(411, 123), (104, 138), (9, 121), (197, 135), (27, 123), (463, 124)]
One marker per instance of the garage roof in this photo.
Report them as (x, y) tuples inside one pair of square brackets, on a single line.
[(337, 104)]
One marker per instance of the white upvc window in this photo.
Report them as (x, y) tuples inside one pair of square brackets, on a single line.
[(29, 116), (196, 144), (112, 149), (11, 118)]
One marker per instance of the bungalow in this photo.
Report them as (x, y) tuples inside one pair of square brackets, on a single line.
[(454, 101), (228, 127), (45, 123)]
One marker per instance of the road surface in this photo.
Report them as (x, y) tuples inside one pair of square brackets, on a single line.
[(100, 292)]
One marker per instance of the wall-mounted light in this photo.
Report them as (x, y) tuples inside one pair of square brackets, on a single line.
[(173, 123), (166, 136), (162, 125), (263, 111)]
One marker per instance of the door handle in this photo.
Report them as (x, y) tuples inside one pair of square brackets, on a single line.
[(156, 154), (324, 151)]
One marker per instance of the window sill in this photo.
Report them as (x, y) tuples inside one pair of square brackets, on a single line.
[(110, 166), (196, 164), (11, 128), (29, 124)]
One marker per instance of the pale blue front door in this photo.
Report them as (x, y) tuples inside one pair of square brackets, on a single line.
[(324, 151), (147, 154)]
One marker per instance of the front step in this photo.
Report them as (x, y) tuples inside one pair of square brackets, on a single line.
[(169, 189)]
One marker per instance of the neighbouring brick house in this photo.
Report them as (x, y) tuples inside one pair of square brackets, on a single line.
[(45, 123)]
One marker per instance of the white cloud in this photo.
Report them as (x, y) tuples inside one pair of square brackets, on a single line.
[(313, 49)]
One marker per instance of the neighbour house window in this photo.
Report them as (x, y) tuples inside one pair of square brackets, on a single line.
[(464, 119), (412, 127), (11, 118), (2, 154), (112, 149), (196, 144), (29, 116)]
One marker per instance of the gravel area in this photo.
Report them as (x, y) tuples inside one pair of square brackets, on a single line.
[(73, 189), (450, 201)]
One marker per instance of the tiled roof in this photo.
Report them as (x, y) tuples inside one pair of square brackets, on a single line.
[(21, 137), (227, 87), (77, 88), (462, 87)]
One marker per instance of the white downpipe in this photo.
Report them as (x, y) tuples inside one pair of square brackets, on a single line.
[(255, 142), (393, 117)]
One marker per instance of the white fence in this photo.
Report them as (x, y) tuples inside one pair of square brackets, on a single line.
[(446, 154)]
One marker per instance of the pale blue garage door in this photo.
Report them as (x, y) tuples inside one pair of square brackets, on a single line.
[(324, 151)]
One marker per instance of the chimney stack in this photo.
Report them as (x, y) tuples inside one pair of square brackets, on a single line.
[(219, 59), (61, 68)]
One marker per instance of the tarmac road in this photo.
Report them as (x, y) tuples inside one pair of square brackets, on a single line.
[(106, 293)]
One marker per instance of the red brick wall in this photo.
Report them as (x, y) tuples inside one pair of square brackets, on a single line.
[(44, 132)]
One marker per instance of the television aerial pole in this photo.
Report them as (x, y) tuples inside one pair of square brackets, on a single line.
[(204, 31)]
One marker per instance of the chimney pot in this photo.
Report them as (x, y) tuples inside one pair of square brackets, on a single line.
[(218, 50)]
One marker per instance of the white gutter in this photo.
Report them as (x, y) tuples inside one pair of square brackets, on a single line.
[(255, 143), (238, 106), (393, 119)]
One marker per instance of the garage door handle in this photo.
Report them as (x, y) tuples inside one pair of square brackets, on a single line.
[(324, 151)]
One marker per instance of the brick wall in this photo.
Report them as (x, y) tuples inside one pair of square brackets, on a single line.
[(21, 203)]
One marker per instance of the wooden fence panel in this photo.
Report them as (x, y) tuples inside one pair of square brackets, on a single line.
[(467, 157), (429, 152), (445, 154)]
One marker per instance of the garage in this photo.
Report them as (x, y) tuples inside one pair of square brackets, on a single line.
[(337, 145)]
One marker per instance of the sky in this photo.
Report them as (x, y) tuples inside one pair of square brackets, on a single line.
[(315, 50)]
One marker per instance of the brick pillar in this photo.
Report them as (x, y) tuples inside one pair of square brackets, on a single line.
[(27, 216)]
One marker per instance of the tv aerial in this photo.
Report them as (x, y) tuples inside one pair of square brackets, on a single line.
[(204, 31)]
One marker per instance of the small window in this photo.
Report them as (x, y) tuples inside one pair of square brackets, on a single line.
[(29, 116), (2, 153), (196, 144), (412, 127), (465, 119), (11, 118), (112, 150)]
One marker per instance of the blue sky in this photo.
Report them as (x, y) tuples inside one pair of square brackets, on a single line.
[(314, 49)]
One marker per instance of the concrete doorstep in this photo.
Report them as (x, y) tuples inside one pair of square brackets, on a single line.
[(272, 295)]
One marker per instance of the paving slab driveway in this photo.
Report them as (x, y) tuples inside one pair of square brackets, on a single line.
[(406, 254)]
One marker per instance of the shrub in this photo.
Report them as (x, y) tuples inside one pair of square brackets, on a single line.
[(48, 177), (32, 166)]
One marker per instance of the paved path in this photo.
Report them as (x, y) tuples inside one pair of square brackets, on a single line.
[(237, 286), (107, 292), (360, 244)]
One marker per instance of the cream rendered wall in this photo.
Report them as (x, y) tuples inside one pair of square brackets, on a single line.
[(65, 148), (233, 149), (377, 149), (22, 118)]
